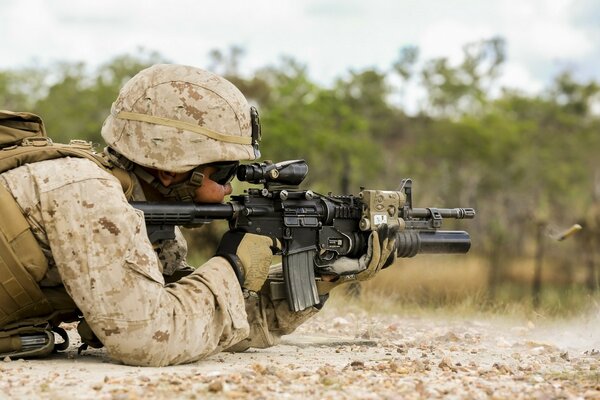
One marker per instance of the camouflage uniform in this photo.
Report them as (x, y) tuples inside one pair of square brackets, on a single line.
[(97, 244), (101, 254), (97, 247)]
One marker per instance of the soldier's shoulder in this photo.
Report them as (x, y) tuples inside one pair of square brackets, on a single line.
[(52, 174)]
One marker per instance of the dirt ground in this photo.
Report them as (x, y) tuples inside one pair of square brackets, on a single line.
[(349, 355)]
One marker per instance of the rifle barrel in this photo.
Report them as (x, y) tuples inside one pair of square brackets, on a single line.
[(458, 213)]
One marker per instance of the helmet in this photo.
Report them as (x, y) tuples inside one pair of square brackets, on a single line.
[(176, 117)]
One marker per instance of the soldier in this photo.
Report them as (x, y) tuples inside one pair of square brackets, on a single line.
[(176, 133)]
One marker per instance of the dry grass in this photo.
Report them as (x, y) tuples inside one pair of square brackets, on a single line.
[(431, 277), (459, 285)]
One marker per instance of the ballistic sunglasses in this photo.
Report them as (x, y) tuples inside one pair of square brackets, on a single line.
[(224, 171)]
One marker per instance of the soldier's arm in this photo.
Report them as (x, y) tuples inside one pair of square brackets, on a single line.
[(111, 271), (270, 318)]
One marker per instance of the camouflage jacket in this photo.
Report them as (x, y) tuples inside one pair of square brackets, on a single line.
[(97, 247)]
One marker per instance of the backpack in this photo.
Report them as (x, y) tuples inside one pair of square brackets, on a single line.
[(16, 126)]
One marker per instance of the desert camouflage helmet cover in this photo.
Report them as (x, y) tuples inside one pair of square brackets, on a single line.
[(175, 117)]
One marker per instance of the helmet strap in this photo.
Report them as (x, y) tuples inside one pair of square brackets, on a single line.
[(183, 191), (118, 159)]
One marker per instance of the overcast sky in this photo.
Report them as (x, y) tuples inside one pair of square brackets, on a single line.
[(330, 36)]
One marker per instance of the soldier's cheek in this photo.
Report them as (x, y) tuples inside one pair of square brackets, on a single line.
[(212, 192)]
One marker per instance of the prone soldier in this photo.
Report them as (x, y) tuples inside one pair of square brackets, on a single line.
[(74, 249)]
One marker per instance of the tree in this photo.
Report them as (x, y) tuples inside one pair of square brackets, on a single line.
[(20, 89), (453, 91)]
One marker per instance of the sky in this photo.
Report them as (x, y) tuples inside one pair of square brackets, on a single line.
[(544, 37)]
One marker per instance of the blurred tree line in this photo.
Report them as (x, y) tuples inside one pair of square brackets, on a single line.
[(528, 163)]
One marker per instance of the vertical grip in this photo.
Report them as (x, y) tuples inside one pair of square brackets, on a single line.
[(299, 277)]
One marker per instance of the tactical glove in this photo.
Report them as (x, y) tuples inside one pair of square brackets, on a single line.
[(381, 253), (250, 256)]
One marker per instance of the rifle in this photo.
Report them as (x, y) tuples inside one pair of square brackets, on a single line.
[(313, 229)]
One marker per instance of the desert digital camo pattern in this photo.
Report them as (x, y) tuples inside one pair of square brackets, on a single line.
[(185, 94), (108, 266)]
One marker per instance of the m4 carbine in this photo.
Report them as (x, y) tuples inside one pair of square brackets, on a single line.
[(314, 230)]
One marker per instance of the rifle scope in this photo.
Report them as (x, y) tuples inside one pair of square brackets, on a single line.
[(291, 172)]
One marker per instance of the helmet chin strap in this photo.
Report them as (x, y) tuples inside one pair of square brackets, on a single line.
[(183, 191)]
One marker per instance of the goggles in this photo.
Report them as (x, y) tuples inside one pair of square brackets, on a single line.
[(223, 171)]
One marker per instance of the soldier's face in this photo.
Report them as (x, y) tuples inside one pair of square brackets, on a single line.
[(211, 191)]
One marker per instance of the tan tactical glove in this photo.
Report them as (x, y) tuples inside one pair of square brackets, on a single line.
[(381, 253), (250, 256)]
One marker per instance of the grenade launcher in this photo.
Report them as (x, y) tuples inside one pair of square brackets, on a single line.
[(313, 229)]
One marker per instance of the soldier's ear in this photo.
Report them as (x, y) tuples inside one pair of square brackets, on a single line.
[(166, 178)]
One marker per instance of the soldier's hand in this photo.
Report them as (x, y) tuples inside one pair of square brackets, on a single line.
[(381, 253), (250, 256)]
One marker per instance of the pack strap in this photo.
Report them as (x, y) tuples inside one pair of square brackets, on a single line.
[(43, 149)]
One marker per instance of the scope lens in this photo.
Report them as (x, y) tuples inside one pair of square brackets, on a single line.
[(246, 173)]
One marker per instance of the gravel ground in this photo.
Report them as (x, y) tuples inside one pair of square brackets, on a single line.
[(348, 355)]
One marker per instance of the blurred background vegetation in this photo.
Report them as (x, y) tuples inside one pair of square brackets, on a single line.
[(528, 163)]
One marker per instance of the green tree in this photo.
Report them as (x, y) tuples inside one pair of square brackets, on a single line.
[(303, 120), (20, 89), (453, 91)]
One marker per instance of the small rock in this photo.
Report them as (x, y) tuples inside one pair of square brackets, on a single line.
[(339, 322), (449, 337), (215, 386), (446, 364), (502, 368)]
